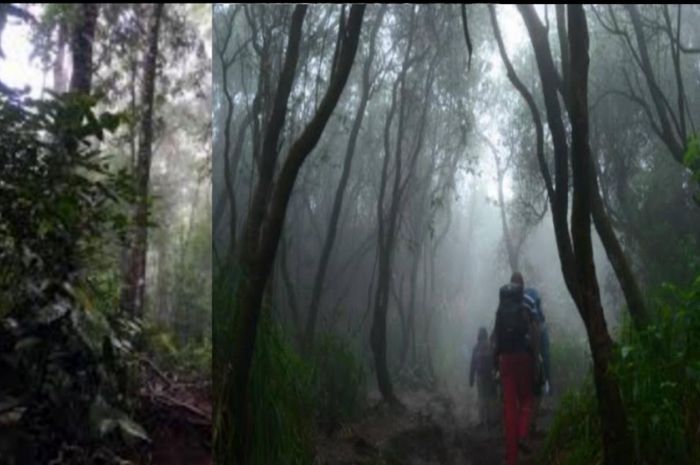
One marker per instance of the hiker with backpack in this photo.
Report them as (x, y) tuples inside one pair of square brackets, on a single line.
[(541, 385), (516, 345), (481, 371)]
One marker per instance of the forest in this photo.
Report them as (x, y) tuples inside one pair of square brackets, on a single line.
[(383, 176), (105, 234), (335, 234)]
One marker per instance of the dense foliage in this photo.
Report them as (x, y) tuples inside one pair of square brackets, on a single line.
[(292, 396), (64, 364), (659, 373)]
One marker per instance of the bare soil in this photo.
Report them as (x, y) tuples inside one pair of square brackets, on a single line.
[(426, 431)]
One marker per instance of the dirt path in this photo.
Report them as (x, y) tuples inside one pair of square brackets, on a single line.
[(426, 432)]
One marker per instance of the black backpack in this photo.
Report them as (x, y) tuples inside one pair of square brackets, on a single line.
[(512, 326)]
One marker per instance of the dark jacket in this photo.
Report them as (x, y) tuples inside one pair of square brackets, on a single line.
[(482, 360)]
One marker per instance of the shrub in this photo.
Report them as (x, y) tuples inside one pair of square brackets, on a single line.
[(62, 361), (659, 371), (282, 395), (659, 374), (281, 387), (574, 438), (339, 382)]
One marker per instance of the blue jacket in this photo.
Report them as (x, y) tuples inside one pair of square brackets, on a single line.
[(533, 303)]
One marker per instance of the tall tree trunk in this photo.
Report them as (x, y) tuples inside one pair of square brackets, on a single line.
[(550, 83), (133, 289), (340, 191), (617, 258), (409, 328), (59, 71), (513, 259), (263, 228), (617, 444), (289, 287), (513, 253), (83, 35), (378, 331)]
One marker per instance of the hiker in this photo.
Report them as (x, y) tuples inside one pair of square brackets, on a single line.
[(481, 366), (516, 340), (542, 384)]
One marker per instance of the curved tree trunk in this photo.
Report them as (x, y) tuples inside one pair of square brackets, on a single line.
[(576, 251), (263, 228), (617, 444), (628, 282)]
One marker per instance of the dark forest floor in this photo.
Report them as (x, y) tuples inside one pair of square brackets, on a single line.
[(178, 417), (427, 432)]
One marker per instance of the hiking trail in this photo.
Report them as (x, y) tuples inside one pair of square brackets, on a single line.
[(430, 430)]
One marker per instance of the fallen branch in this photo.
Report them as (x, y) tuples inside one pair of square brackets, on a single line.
[(203, 418), (156, 370)]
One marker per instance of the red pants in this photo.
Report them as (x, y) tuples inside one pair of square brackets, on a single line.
[(516, 381)]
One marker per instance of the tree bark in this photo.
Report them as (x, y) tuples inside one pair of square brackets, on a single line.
[(83, 35), (613, 249), (623, 271), (550, 82), (133, 290), (617, 444)]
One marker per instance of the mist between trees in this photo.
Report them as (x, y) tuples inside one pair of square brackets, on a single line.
[(379, 172)]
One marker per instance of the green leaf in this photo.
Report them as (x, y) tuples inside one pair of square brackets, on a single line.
[(626, 350), (67, 209), (27, 343), (693, 372), (110, 121), (132, 429), (106, 419), (691, 159)]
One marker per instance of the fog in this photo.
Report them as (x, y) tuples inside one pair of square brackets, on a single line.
[(447, 149)]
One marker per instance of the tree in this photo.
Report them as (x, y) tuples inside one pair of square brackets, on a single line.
[(403, 96), (575, 251), (265, 219), (367, 83), (83, 36), (133, 290), (671, 121)]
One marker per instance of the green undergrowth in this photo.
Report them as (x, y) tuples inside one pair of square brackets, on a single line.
[(292, 396), (659, 374)]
